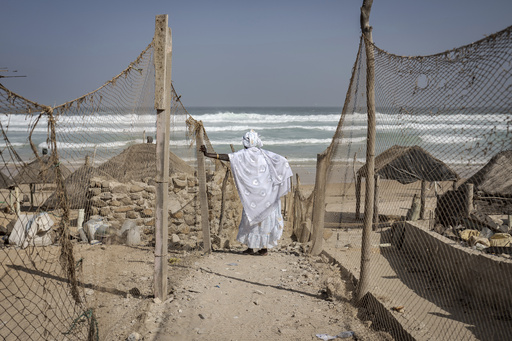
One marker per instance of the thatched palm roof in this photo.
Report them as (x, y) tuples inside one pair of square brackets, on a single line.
[(77, 185), (138, 162), (40, 171), (409, 164), (495, 178), (5, 181)]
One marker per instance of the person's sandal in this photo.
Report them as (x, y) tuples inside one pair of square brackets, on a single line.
[(249, 251), (262, 252)]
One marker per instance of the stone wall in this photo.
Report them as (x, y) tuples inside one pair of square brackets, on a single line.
[(116, 202), (484, 277)]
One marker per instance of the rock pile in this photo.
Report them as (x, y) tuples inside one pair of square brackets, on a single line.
[(115, 202)]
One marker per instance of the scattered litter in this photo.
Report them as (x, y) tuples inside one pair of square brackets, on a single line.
[(284, 270), (399, 308), (201, 316), (233, 264), (135, 292), (342, 335), (134, 337), (174, 260), (385, 245), (259, 292), (217, 286)]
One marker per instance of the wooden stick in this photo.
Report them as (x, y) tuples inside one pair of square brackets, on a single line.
[(162, 60), (423, 199), (364, 278), (203, 196)]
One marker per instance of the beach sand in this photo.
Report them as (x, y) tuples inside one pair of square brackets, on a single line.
[(219, 296)]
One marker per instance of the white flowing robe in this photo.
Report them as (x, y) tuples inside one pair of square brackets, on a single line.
[(261, 178)]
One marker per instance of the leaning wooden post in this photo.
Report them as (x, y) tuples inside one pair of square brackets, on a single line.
[(358, 196), (376, 203), (203, 197), (423, 199), (317, 224), (162, 61), (17, 200), (364, 280), (469, 199)]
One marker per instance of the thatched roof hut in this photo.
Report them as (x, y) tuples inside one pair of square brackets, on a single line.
[(5, 181), (495, 177), (77, 186), (406, 165), (138, 162), (40, 171), (409, 164)]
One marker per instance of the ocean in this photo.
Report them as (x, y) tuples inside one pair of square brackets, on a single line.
[(298, 133), (457, 137)]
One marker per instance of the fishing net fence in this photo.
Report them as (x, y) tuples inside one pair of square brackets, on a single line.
[(439, 263), (81, 174), (50, 156)]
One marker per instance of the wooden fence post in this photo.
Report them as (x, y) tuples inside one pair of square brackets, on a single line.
[(376, 203), (358, 196), (364, 281), (162, 61), (203, 197), (317, 224), (469, 199), (423, 199)]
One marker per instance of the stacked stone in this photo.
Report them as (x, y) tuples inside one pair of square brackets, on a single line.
[(115, 202)]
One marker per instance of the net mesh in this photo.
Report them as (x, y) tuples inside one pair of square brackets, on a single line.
[(440, 244), (49, 157), (84, 172)]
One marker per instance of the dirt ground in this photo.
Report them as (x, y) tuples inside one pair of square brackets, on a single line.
[(227, 295)]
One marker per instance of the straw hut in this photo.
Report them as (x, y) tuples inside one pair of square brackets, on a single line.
[(406, 165), (77, 186), (494, 179), (39, 171), (5, 181), (492, 185), (138, 162)]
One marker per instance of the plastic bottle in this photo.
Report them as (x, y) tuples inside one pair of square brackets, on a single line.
[(344, 335)]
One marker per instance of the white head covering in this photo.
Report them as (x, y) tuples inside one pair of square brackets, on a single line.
[(251, 139), (261, 177)]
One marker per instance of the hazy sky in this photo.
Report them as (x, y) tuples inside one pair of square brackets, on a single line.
[(226, 52)]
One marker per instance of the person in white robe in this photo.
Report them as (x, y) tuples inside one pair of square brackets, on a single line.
[(261, 177)]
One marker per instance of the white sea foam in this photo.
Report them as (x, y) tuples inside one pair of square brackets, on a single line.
[(237, 118), (444, 139), (280, 129)]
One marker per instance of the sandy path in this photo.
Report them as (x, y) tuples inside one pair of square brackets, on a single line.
[(230, 296)]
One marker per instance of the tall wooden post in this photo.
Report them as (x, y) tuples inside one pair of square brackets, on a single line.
[(364, 281), (162, 60), (423, 199), (203, 197), (376, 203), (469, 199), (317, 224), (358, 196)]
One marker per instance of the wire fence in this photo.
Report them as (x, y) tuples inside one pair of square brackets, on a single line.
[(49, 157), (440, 263), (84, 173)]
